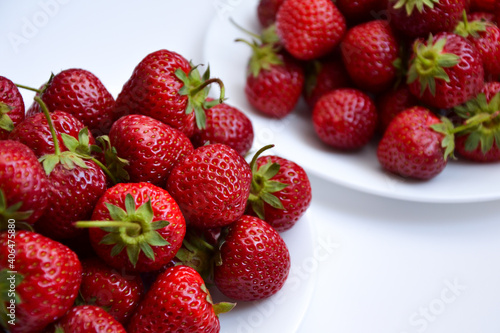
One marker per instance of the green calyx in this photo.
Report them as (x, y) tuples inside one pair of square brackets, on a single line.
[(114, 164), (9, 281), (222, 307), (132, 229), (465, 28), (446, 128), (410, 5), (262, 186), (11, 212), (5, 121), (196, 88), (198, 254), (429, 63)]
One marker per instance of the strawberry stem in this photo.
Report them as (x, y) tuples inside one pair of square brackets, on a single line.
[(107, 224), (38, 91), (46, 112), (105, 169), (208, 82)]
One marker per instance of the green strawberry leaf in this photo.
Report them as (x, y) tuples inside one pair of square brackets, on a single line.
[(115, 164), (410, 5), (6, 122), (11, 212)]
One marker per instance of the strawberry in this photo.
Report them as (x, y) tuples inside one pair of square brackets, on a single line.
[(323, 76), (23, 184), (445, 71), (362, 10), (254, 260), (419, 18), (481, 16), (11, 107), (141, 219), (211, 186), (35, 132), (150, 147), (497, 13), (80, 93), (392, 102), (345, 118), (88, 319), (486, 38), (166, 87), (178, 301), (46, 274), (309, 29), (274, 80), (227, 125), (368, 52), (411, 148), (482, 5), (116, 291), (478, 139), (280, 192), (267, 10)]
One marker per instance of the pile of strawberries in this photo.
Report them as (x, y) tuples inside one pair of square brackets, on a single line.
[(115, 215), (418, 77)]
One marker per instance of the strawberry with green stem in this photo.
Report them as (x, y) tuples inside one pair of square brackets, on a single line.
[(11, 107), (445, 71), (136, 226), (87, 319)]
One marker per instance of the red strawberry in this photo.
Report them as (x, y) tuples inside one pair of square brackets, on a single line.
[(280, 192), (23, 184), (116, 291), (445, 71), (368, 52), (392, 102), (267, 10), (88, 319), (35, 132), (254, 260), (323, 76), (478, 139), (142, 230), (361, 10), (47, 276), (227, 125), (310, 29), (150, 147), (274, 80), (486, 38), (497, 12), (482, 5), (178, 301), (166, 87), (82, 94), (11, 107), (410, 147), (481, 16), (211, 186), (345, 118), (419, 18)]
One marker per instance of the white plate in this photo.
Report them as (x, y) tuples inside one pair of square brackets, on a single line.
[(295, 138), (48, 36)]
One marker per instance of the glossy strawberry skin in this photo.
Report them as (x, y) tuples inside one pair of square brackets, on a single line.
[(178, 301), (267, 10), (275, 92), (35, 132), (368, 52), (309, 29), (392, 102), (443, 17), (345, 119), (410, 148), (89, 319), (211, 186), (164, 208), (227, 125), (22, 179), (10, 95), (488, 45), (72, 196), (52, 275), (150, 146), (82, 94), (117, 291), (466, 78), (153, 88), (362, 10), (296, 197), (255, 261)]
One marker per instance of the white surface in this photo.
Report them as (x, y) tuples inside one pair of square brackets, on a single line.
[(377, 262), (294, 135)]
